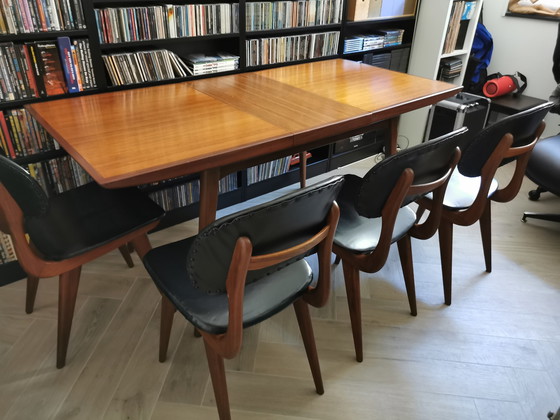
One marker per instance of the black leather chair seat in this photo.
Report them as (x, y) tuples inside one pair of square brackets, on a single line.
[(544, 164), (361, 234), (209, 312), (87, 217), (462, 191)]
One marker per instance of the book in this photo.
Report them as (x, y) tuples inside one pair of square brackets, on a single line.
[(50, 68), (199, 64), (15, 70), (7, 136), (77, 67), (36, 67), (468, 10), (294, 159), (68, 65), (27, 69)]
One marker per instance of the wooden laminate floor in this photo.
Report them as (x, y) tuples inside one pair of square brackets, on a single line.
[(493, 354)]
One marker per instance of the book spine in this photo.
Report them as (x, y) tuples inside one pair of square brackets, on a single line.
[(47, 12), (83, 64), (89, 63), (65, 51), (42, 23), (77, 67), (24, 69), (8, 87), (34, 15), (16, 67), (18, 144), (78, 14), (9, 17), (28, 68), (25, 136), (36, 63), (24, 16), (29, 130), (7, 136), (52, 74)]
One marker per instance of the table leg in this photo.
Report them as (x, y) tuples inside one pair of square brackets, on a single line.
[(391, 145), (302, 168), (208, 204), (209, 180)]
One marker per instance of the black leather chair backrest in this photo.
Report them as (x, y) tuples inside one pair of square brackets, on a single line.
[(429, 161), (25, 190), (521, 125), (271, 227)]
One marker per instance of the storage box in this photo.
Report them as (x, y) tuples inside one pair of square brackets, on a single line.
[(464, 109), (358, 9)]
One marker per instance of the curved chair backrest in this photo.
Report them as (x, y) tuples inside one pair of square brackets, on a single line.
[(25, 190), (429, 162), (522, 126), (271, 227)]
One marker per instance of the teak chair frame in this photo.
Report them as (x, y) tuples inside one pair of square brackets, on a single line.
[(372, 262), (480, 209), (226, 346), (68, 270)]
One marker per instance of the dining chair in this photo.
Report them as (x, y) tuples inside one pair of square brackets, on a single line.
[(55, 236), (473, 186), (246, 267), (375, 212)]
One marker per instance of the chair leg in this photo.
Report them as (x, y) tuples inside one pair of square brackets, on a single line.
[(446, 253), (166, 322), (306, 329), (141, 245), (486, 234), (31, 293), (405, 254), (352, 282), (218, 376), (126, 255), (67, 292)]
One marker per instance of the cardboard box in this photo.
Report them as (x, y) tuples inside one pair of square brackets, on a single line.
[(358, 9)]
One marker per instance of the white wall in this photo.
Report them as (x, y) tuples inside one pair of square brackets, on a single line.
[(524, 45)]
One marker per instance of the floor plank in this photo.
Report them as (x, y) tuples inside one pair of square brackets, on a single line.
[(493, 354)]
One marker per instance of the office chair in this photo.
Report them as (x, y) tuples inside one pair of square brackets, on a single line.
[(375, 213), (55, 236), (246, 267), (473, 187), (544, 170)]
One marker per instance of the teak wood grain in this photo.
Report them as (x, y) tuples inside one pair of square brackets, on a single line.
[(141, 135), (214, 126)]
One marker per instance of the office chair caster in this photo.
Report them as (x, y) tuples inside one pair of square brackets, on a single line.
[(534, 195)]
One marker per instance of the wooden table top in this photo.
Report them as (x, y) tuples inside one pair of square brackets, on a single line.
[(142, 135)]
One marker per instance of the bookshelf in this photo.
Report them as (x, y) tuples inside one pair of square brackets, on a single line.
[(107, 45), (443, 38)]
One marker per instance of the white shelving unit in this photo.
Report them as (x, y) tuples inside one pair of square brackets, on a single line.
[(427, 51)]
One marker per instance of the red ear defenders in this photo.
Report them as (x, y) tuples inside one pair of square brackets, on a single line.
[(500, 85)]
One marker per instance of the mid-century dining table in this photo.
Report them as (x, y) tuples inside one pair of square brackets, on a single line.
[(218, 125)]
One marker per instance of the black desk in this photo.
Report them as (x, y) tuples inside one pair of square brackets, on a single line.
[(509, 105)]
